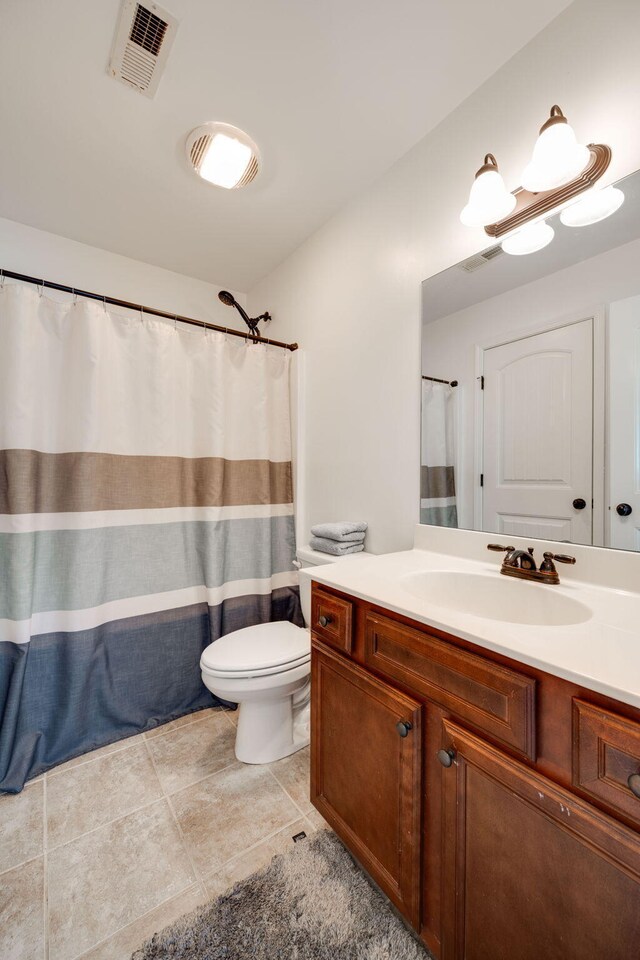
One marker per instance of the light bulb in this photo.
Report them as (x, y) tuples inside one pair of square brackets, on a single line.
[(593, 206), (489, 199), (557, 157), (225, 161), (531, 238)]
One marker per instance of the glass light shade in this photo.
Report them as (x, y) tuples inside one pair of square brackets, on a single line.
[(225, 161), (531, 238), (557, 159), (489, 200), (593, 206)]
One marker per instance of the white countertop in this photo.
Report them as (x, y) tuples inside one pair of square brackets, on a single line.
[(602, 653)]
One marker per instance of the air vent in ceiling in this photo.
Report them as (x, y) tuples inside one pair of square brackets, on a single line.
[(141, 46), (481, 259)]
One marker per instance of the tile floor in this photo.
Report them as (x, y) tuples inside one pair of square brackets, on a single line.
[(102, 851)]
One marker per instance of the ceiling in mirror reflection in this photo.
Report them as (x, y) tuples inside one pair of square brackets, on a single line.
[(455, 288)]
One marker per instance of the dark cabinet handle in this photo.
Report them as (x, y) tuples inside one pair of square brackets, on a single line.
[(403, 727), (446, 757), (634, 784), (624, 510), (325, 621), (579, 503)]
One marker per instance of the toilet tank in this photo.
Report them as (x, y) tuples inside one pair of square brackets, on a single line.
[(308, 558)]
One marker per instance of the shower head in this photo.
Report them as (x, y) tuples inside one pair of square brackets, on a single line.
[(230, 301), (227, 298)]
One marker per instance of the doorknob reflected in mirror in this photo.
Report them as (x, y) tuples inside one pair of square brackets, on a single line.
[(579, 503), (624, 510)]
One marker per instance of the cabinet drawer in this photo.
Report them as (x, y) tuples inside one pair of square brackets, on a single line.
[(493, 698), (331, 619), (606, 754)]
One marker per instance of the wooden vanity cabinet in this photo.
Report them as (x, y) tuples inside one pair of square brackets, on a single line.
[(502, 823)]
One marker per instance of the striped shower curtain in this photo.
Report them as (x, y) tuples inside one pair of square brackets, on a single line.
[(145, 510), (437, 473)]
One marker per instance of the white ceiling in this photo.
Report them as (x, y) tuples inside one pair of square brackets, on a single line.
[(333, 92)]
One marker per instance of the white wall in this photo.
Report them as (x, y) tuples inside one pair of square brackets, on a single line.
[(50, 257), (351, 294), (451, 343)]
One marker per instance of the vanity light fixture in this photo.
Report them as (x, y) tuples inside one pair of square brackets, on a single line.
[(489, 199), (594, 206), (533, 237), (557, 156), (560, 170), (223, 155)]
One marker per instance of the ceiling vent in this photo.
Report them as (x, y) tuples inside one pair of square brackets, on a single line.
[(481, 259), (141, 46)]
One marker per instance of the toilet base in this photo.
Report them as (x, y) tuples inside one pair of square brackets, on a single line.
[(270, 730)]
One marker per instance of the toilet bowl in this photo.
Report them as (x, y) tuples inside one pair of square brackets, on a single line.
[(265, 670)]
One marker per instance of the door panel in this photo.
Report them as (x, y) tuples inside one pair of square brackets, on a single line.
[(624, 422), (531, 871), (365, 776), (537, 446)]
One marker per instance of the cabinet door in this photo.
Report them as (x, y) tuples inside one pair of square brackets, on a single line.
[(530, 871), (366, 772)]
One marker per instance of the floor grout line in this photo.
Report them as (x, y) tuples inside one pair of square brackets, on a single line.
[(285, 791), (85, 953), (183, 840), (45, 867), (107, 823)]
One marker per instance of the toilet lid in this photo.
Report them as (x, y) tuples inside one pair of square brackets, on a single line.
[(261, 647)]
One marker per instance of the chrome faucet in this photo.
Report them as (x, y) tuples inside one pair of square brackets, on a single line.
[(521, 564)]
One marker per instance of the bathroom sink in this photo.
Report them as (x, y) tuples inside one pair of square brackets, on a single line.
[(494, 597)]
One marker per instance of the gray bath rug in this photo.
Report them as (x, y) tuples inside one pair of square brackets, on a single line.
[(312, 903)]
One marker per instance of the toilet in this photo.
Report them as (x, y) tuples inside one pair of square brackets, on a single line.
[(265, 670)]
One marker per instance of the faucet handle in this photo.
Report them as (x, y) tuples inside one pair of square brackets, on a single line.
[(499, 548), (560, 557)]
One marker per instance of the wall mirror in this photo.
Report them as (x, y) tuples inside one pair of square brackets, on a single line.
[(531, 387)]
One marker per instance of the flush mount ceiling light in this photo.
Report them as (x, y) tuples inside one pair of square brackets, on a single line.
[(557, 157), (489, 199), (560, 170), (533, 237), (594, 206), (223, 155)]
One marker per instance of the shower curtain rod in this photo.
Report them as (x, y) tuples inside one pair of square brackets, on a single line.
[(452, 383), (142, 309)]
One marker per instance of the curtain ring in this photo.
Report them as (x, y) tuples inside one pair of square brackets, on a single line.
[(2, 279), (75, 296), (41, 288), (175, 322), (142, 316), (104, 303)]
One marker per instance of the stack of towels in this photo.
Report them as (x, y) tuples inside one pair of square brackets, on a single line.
[(340, 538)]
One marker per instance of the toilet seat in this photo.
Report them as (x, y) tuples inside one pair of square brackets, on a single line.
[(259, 651)]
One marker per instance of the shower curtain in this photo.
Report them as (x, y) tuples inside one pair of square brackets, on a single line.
[(437, 473), (145, 510)]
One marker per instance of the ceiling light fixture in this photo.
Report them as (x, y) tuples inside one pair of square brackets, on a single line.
[(223, 155), (594, 206), (489, 199), (533, 237), (559, 171)]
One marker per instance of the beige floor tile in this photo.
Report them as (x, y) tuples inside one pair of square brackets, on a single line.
[(292, 773), (122, 944), (106, 879), (21, 825), (259, 856), (22, 912), (193, 751), (229, 812), (87, 796), (315, 821), (96, 754), (180, 722)]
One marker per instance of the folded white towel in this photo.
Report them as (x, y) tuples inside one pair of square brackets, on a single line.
[(341, 530), (333, 547)]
